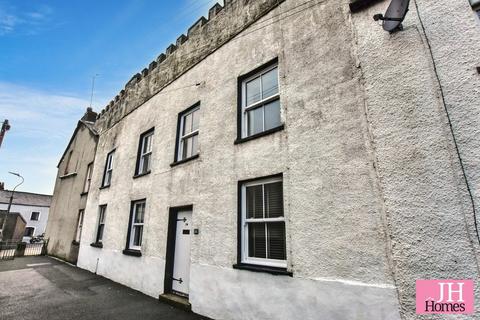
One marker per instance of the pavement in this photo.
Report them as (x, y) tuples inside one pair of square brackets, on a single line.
[(45, 288)]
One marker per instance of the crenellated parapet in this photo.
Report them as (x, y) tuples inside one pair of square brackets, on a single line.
[(202, 38)]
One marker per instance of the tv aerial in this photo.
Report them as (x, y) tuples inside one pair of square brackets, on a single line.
[(396, 12)]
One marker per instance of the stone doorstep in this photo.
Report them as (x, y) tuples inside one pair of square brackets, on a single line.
[(176, 301)]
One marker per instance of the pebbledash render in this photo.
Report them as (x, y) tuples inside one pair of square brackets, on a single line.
[(292, 160)]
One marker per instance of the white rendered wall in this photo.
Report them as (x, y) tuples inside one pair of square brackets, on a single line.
[(335, 223), (372, 180), (26, 212)]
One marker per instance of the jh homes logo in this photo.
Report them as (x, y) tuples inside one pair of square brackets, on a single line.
[(445, 297)]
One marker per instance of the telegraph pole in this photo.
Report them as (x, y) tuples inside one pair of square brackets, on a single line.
[(5, 128)]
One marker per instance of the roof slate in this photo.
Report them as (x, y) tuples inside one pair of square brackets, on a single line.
[(26, 198)]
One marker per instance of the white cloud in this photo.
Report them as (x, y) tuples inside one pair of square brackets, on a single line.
[(8, 22), (41, 126), (12, 20), (37, 111)]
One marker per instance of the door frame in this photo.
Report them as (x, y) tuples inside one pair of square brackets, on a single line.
[(171, 239)]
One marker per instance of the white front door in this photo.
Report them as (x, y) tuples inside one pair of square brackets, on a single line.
[(181, 264)]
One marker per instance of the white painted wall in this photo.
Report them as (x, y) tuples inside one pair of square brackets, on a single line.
[(371, 178), (331, 198), (144, 274), (26, 212), (425, 194), (252, 296)]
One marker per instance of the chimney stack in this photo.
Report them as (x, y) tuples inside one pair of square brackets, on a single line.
[(90, 115)]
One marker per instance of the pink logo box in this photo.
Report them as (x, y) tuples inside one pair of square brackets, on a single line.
[(445, 297)]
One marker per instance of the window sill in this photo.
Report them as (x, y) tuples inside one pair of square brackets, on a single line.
[(96, 245), (358, 5), (104, 187), (68, 175), (75, 243), (83, 194), (261, 134), (184, 160), (142, 174), (266, 269), (133, 253)]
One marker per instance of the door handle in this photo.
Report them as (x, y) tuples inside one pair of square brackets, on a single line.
[(179, 280)]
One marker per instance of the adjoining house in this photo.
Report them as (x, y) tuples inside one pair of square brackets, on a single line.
[(14, 226), (71, 190), (33, 207), (290, 160)]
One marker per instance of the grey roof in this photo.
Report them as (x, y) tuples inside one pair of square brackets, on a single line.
[(26, 198), (3, 212)]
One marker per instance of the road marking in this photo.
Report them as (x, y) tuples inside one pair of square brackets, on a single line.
[(66, 262), (38, 264)]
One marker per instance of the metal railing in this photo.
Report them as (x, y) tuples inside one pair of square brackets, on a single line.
[(7, 250), (11, 249)]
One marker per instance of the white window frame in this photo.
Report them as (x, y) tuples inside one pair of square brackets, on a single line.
[(108, 170), (33, 233), (259, 104), (101, 222), (133, 224), (39, 213), (88, 178), (245, 258), (144, 154), (182, 137), (78, 233)]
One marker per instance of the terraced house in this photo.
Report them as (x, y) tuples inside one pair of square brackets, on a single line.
[(292, 160)]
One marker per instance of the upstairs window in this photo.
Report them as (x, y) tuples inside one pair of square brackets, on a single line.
[(35, 216), (135, 232), (107, 175), (101, 223), (187, 133), (263, 223), (67, 165), (260, 101), (144, 157), (88, 178)]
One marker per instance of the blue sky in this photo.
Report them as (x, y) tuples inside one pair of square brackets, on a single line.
[(49, 52)]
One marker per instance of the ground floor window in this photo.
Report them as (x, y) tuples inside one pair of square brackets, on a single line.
[(137, 219), (263, 235), (101, 223), (29, 231), (78, 234)]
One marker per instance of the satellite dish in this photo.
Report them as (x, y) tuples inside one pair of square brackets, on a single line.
[(396, 12)]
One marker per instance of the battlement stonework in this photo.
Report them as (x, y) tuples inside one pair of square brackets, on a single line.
[(203, 38)]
